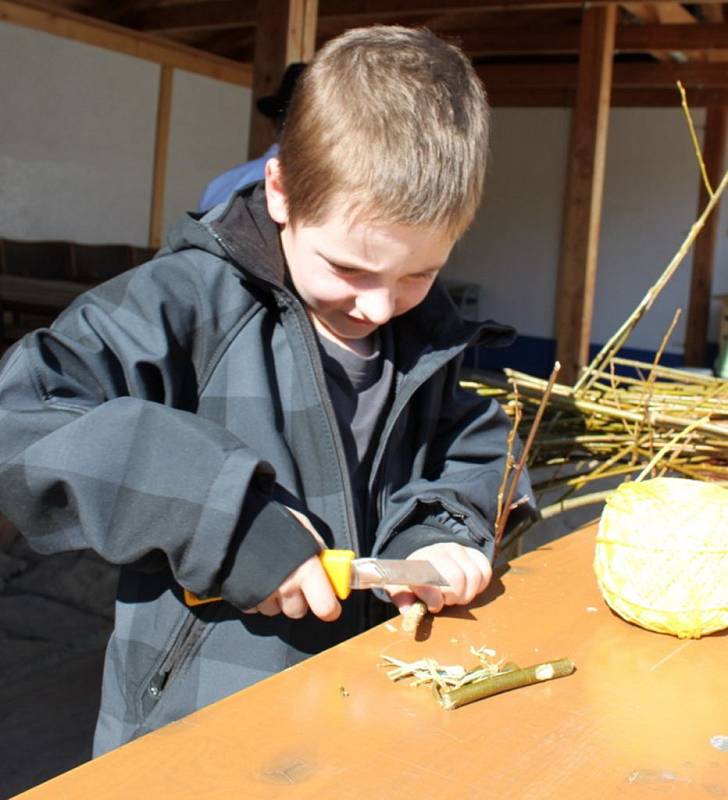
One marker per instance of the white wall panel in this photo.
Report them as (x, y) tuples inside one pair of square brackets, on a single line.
[(209, 135), (76, 140), (513, 246)]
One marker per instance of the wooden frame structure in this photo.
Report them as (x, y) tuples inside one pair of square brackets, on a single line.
[(529, 52)]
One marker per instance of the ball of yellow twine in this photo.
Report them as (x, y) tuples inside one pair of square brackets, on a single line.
[(661, 556)]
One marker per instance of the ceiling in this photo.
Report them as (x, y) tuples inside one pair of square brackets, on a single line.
[(527, 50)]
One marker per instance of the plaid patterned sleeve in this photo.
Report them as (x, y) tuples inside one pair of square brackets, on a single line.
[(99, 445)]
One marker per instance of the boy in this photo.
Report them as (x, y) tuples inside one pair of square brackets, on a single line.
[(284, 374)]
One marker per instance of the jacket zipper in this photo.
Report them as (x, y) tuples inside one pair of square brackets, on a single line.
[(311, 345), (184, 641), (400, 402)]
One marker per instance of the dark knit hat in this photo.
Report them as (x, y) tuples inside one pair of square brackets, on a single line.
[(275, 105)]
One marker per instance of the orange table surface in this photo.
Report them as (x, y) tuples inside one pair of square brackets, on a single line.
[(642, 716)]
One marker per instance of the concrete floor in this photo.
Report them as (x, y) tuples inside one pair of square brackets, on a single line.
[(55, 617), (56, 613)]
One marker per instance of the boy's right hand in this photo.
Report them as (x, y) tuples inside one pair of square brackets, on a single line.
[(306, 589)]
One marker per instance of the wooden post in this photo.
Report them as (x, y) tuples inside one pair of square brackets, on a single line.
[(696, 331), (285, 32), (584, 189), (161, 146)]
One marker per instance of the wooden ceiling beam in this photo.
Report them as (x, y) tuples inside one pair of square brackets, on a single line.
[(686, 38), (383, 9), (542, 97), (564, 76), (564, 39), (80, 28), (228, 13), (674, 13), (666, 12), (116, 11), (194, 16), (496, 39)]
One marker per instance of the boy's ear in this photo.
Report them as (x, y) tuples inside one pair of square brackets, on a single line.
[(274, 194)]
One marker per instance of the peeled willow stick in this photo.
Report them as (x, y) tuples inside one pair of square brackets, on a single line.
[(505, 681), (413, 616)]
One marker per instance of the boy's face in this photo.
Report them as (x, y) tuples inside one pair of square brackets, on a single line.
[(356, 276)]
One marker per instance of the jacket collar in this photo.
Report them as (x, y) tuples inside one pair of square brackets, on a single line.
[(248, 233)]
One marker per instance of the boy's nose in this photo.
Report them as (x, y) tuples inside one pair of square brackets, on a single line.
[(376, 305)]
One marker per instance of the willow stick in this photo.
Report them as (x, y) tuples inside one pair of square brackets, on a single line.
[(660, 453), (621, 335), (634, 416), (613, 382), (505, 681), (555, 509), (669, 372), (502, 521), (517, 413), (652, 377), (604, 467), (694, 137)]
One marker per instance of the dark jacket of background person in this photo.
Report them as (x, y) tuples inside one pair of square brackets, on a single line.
[(169, 414)]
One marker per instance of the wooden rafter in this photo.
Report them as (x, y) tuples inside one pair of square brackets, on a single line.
[(674, 13), (384, 8), (686, 38), (545, 97), (197, 16), (222, 13), (84, 29), (564, 39), (625, 76)]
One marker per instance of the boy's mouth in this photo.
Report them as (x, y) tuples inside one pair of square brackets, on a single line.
[(358, 321)]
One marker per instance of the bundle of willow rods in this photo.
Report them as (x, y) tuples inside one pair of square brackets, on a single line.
[(649, 422), (659, 421)]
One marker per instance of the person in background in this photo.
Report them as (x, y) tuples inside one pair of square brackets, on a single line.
[(274, 107)]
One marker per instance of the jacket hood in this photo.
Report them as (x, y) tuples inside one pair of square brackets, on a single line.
[(241, 231)]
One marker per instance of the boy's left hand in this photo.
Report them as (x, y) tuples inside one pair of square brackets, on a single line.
[(467, 571)]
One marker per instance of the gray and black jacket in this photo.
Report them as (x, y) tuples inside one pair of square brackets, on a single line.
[(169, 415)]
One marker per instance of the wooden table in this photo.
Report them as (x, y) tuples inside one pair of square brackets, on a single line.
[(641, 717)]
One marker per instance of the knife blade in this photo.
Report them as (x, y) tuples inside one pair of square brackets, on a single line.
[(346, 572)]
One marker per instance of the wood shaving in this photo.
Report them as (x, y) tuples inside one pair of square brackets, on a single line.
[(427, 671)]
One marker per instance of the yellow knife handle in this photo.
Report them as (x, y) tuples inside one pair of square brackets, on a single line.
[(193, 600), (337, 565)]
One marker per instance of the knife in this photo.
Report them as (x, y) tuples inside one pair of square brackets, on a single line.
[(346, 572)]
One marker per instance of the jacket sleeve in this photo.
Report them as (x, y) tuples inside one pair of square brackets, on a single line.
[(96, 451), (456, 496)]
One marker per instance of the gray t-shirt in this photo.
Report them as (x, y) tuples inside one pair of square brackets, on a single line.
[(360, 388)]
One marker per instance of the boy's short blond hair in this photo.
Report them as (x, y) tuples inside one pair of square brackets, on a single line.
[(392, 123)]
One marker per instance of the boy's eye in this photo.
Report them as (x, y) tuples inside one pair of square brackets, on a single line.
[(349, 271)]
